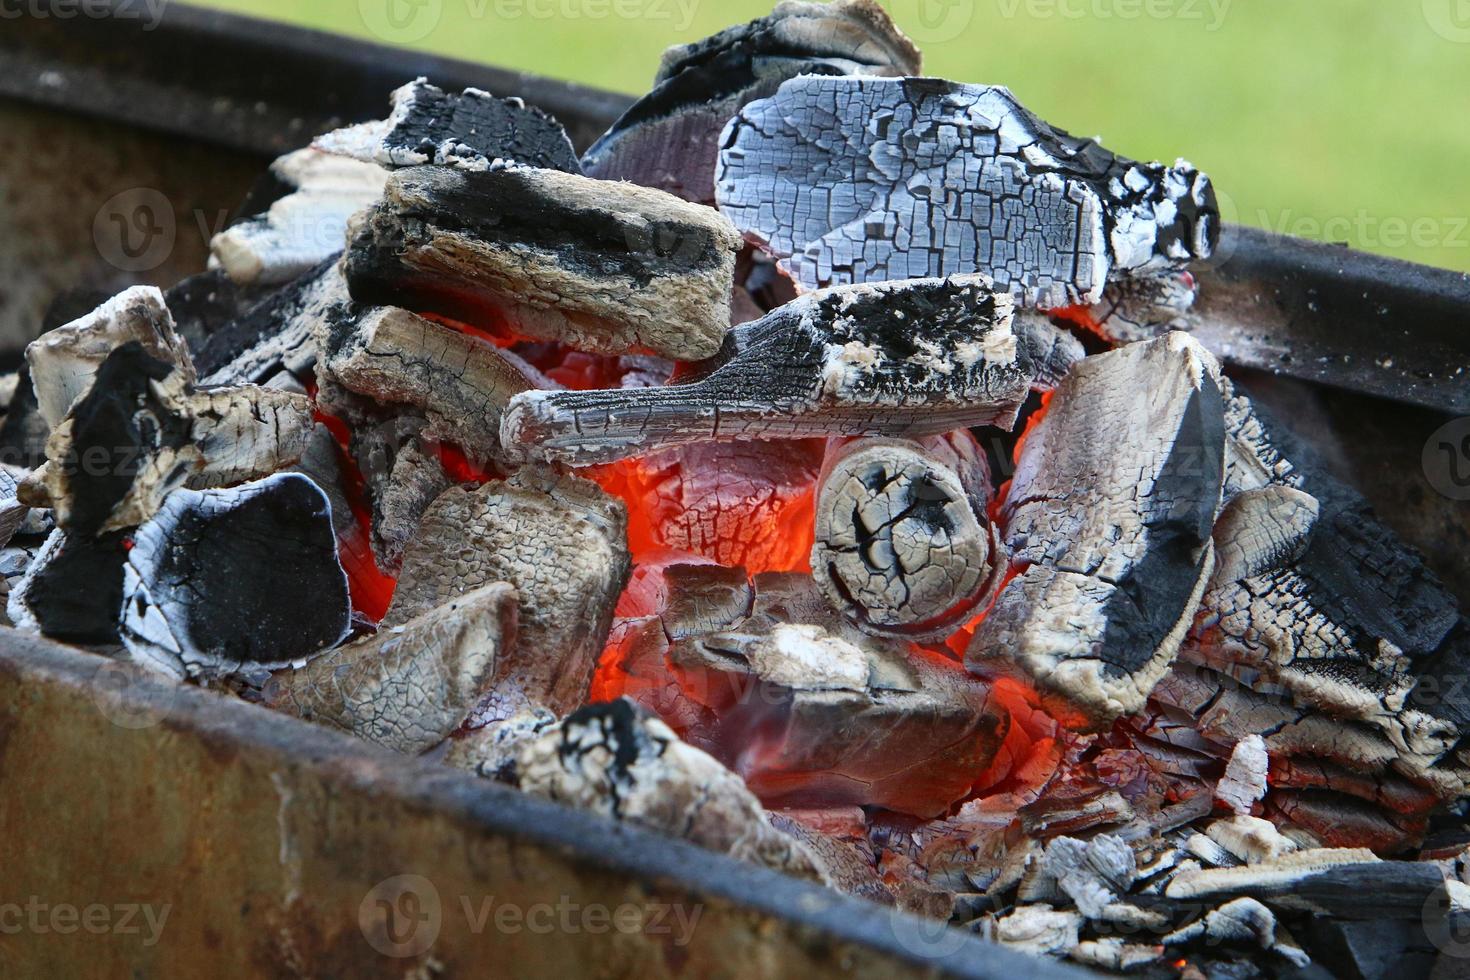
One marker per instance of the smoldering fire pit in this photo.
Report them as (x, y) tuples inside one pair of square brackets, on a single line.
[(841, 470)]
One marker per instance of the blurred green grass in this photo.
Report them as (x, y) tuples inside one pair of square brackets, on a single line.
[(1337, 120)]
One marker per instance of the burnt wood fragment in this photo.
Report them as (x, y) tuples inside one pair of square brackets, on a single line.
[(669, 139), (275, 334), (222, 580), (1108, 522), (1343, 883), (900, 359), (866, 179), (600, 266), (73, 589)]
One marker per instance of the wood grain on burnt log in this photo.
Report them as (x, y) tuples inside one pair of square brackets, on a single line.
[(903, 544), (410, 686), (905, 359), (670, 138), (868, 179), (473, 130), (1108, 520), (600, 266)]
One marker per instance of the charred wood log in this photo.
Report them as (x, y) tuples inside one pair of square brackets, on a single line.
[(72, 589), (670, 138), (1108, 520), (473, 130), (410, 686), (903, 544), (600, 266), (850, 180), (900, 359)]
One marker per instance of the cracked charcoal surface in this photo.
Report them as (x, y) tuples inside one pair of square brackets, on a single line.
[(1108, 520), (912, 358), (601, 266), (275, 333), (903, 545), (204, 587), (868, 179), (669, 139)]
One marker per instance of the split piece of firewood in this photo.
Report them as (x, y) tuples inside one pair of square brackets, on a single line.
[(410, 686), (901, 359), (473, 130), (142, 430), (615, 760), (598, 265), (303, 228), (669, 139), (903, 544), (850, 179), (223, 580), (1108, 520)]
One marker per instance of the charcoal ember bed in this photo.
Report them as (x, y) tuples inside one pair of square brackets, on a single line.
[(749, 479)]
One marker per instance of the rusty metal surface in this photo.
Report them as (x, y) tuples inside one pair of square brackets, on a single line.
[(269, 842)]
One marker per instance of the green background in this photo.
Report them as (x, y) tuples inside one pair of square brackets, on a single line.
[(1337, 120)]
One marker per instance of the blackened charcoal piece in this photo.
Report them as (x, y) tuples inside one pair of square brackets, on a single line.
[(15, 516), (903, 545), (302, 229), (601, 266), (670, 138), (409, 687), (275, 334), (865, 179), (473, 130), (615, 760), (73, 589), (224, 579), (900, 359), (1051, 349), (401, 492), (204, 304), (1108, 520)]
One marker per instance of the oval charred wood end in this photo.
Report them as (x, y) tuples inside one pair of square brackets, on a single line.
[(903, 546)]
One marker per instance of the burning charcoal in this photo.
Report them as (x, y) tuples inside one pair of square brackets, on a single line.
[(413, 483), (304, 228), (411, 686), (473, 130), (15, 516), (205, 304), (1382, 949), (900, 359), (670, 138), (1142, 309), (277, 334), (1112, 953), (1108, 520), (1038, 929), (1052, 350), (72, 589), (142, 431), (600, 266), (1245, 779), (1059, 813), (614, 760), (1250, 839), (392, 356), (224, 579), (1093, 874), (64, 361), (1242, 920), (850, 180), (903, 544)]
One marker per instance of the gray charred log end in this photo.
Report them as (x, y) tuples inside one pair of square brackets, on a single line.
[(896, 359), (600, 266), (903, 546), (670, 138), (615, 760), (409, 687), (1108, 519), (935, 179), (473, 130)]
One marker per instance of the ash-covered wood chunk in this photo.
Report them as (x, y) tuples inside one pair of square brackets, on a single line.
[(867, 179), (903, 544), (900, 359), (670, 138), (410, 686), (222, 580), (63, 362), (1108, 521), (303, 228), (72, 589), (615, 760), (600, 266), (473, 130), (142, 431)]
